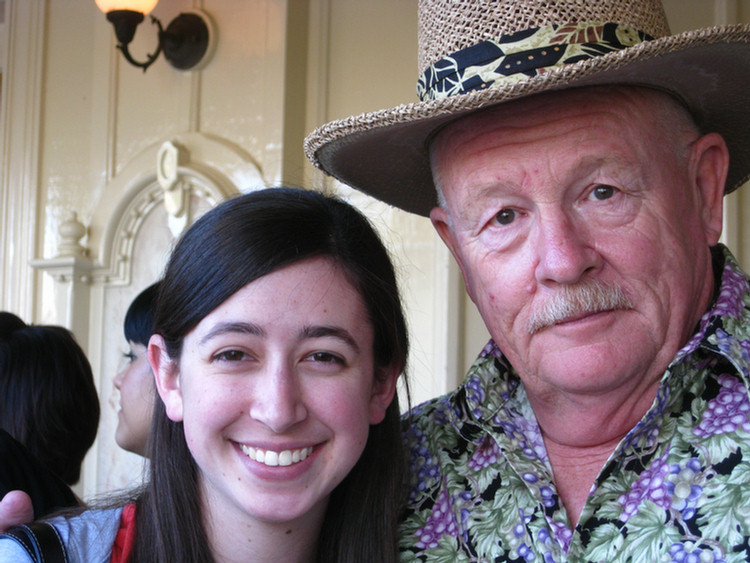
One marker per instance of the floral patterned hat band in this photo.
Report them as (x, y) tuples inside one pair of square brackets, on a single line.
[(518, 56)]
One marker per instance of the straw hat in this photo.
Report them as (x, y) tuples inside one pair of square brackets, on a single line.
[(477, 53)]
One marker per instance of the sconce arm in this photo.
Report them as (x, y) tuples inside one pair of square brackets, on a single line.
[(125, 22)]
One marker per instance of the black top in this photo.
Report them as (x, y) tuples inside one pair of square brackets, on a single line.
[(20, 469)]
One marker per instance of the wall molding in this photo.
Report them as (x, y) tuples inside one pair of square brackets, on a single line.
[(20, 111)]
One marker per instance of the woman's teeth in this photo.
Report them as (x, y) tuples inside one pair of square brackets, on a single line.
[(274, 459)]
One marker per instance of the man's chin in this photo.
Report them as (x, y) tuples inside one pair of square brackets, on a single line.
[(584, 368)]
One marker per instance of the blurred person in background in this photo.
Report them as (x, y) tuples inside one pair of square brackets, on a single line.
[(49, 412), (135, 382)]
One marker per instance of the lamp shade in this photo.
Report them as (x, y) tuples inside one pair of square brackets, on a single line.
[(142, 6)]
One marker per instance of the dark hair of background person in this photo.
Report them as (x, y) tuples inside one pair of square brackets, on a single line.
[(139, 318), (238, 242), (48, 399)]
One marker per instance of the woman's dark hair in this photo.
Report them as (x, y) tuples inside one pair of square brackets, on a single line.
[(232, 245), (139, 320), (48, 400)]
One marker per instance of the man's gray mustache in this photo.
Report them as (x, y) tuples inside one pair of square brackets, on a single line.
[(574, 300)]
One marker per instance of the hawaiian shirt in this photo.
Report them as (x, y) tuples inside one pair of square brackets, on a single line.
[(677, 487)]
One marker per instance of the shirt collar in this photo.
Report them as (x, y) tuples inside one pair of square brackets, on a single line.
[(725, 328)]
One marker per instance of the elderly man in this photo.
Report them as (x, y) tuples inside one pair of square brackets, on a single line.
[(573, 156)]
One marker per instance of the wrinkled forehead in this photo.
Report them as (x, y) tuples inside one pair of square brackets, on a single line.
[(629, 104), (642, 121)]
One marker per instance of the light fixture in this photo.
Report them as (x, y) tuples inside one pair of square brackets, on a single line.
[(187, 41)]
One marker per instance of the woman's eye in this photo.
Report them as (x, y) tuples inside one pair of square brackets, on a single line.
[(505, 216), (326, 357), (130, 356), (603, 192), (230, 356)]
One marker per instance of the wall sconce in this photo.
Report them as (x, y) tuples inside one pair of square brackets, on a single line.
[(187, 41)]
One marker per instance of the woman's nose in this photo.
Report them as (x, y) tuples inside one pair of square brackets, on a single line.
[(277, 399)]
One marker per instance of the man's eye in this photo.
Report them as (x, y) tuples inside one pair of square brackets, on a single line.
[(603, 192), (505, 216)]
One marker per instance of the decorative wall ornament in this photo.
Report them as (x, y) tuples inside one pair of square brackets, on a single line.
[(169, 158), (71, 263), (182, 176), (71, 269), (118, 250), (71, 232)]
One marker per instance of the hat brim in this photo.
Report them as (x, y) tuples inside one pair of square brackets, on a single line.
[(385, 153)]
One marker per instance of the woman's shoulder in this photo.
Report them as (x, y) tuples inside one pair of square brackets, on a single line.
[(88, 537), (11, 550)]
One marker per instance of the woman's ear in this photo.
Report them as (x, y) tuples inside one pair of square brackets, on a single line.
[(383, 391), (166, 376)]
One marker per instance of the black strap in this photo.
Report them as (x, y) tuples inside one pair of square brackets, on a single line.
[(41, 541)]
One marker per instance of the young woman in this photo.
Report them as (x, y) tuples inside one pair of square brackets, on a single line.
[(135, 381), (278, 340)]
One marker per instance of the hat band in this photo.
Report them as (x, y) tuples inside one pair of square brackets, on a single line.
[(521, 55)]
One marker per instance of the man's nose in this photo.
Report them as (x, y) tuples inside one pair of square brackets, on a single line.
[(277, 399), (564, 248)]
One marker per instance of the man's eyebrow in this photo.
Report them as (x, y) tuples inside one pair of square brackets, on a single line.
[(232, 327), (610, 159), (334, 331)]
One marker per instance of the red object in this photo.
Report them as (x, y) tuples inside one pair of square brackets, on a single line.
[(125, 536)]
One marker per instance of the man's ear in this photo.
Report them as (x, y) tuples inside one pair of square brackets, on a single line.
[(383, 391), (441, 222), (709, 165), (166, 376)]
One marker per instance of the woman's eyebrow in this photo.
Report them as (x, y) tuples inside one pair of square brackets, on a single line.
[(320, 331), (232, 328)]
